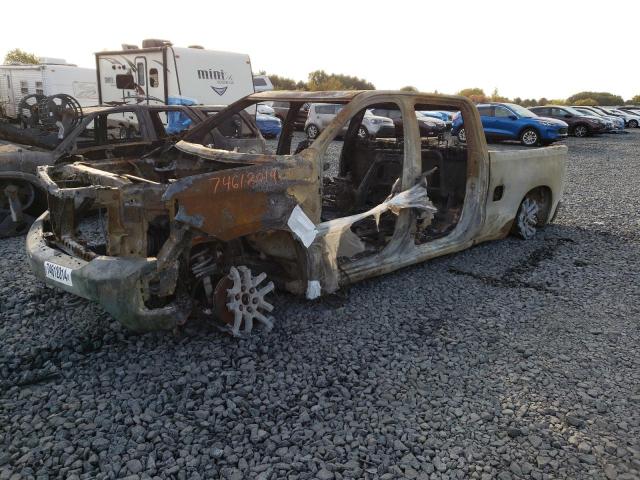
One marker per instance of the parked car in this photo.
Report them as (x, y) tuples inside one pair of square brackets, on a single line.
[(282, 110), (375, 126), (265, 109), (429, 126), (630, 108), (270, 126), (320, 115), (580, 125), (631, 119), (616, 122), (508, 121), (199, 231), (446, 117), (262, 83)]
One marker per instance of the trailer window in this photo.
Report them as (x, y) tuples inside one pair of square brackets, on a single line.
[(140, 72), (39, 88), (153, 78), (24, 87)]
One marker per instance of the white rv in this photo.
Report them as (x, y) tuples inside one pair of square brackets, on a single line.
[(262, 83), (50, 77), (159, 73)]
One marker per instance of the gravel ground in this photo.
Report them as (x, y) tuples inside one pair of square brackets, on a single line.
[(510, 360)]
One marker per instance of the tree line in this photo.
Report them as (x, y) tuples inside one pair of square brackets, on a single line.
[(477, 95), (320, 80)]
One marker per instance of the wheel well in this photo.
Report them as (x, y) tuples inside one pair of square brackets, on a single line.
[(543, 195), (581, 124), (278, 253)]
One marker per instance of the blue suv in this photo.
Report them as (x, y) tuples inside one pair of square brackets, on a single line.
[(508, 121)]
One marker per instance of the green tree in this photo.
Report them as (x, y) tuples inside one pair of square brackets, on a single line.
[(409, 88), (283, 83), (586, 102), (321, 80), (20, 56), (557, 101), (496, 97), (603, 98), (635, 100), (476, 95)]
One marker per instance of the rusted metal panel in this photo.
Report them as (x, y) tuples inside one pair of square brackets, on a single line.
[(239, 201)]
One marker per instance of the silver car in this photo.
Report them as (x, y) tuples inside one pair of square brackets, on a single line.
[(322, 114)]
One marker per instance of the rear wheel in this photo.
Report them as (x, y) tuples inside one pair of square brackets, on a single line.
[(527, 219), (462, 135), (581, 131), (363, 133), (633, 124), (529, 137), (532, 213)]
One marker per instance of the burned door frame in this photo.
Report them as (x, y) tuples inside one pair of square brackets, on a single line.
[(402, 250)]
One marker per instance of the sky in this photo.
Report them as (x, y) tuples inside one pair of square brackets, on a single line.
[(535, 49)]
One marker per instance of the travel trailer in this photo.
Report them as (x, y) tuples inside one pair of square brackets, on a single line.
[(159, 73), (262, 83), (52, 76)]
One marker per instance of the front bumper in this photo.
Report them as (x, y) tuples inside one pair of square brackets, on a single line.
[(554, 134), (599, 128), (117, 284)]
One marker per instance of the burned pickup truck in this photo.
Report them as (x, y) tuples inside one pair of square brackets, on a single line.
[(95, 133), (198, 231)]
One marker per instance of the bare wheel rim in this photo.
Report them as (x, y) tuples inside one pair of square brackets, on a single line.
[(240, 300), (362, 133), (530, 137), (312, 131), (26, 194), (581, 131), (528, 218), (462, 135)]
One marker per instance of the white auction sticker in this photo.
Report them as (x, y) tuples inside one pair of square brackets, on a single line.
[(58, 273)]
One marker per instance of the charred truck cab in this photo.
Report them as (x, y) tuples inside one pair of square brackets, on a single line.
[(194, 230)]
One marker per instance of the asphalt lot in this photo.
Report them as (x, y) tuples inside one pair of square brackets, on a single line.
[(509, 360)]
